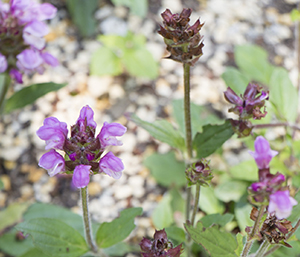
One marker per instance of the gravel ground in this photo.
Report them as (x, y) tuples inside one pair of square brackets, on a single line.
[(227, 23)]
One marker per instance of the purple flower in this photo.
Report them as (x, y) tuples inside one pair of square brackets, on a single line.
[(86, 118), (16, 75), (263, 153), (49, 59), (282, 204), (33, 34), (46, 11), (81, 176), (3, 63), (53, 132), (53, 162), (108, 133), (111, 165), (29, 60)]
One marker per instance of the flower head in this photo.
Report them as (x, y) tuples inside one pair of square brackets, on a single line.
[(81, 176), (109, 132), (53, 162), (263, 153), (183, 41), (281, 203)]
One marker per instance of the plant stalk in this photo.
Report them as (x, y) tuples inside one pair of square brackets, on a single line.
[(197, 196), (254, 231), (4, 85), (263, 248), (86, 220)]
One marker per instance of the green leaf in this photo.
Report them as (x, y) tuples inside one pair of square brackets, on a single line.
[(166, 169), (111, 233), (34, 252), (230, 190), (5, 81), (177, 202), (140, 63), (113, 42), (209, 203), (54, 237), (217, 243), (161, 130), (283, 95), (242, 210), (162, 215), (295, 215), (10, 245), (216, 218), (295, 15), (200, 115), (239, 239), (246, 170), (212, 137), (137, 7), (253, 62), (119, 249), (12, 214), (28, 95), (176, 234), (82, 13), (236, 80), (105, 62), (1, 185)]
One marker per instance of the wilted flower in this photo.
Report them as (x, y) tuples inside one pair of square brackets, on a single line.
[(263, 153), (248, 105), (242, 128), (83, 151), (160, 246), (281, 203), (183, 41), (22, 42)]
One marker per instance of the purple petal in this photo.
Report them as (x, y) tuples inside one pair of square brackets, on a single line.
[(232, 97), (36, 28), (53, 162), (111, 165), (250, 91), (49, 59), (86, 113), (16, 75), (47, 11), (108, 133), (3, 63), (81, 176), (29, 60)]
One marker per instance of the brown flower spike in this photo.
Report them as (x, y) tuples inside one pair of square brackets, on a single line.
[(183, 41)]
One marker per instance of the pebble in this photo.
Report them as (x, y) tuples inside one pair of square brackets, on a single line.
[(26, 192), (98, 86), (113, 25), (6, 182)]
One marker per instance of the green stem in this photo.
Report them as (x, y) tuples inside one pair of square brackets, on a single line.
[(263, 248), (196, 204), (86, 220), (254, 231), (4, 85)]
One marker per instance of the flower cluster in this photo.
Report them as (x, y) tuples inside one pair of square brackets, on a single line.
[(183, 41), (199, 173), (246, 106), (84, 153), (22, 43), (270, 189), (160, 246)]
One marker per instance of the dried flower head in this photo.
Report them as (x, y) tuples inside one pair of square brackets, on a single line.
[(183, 41)]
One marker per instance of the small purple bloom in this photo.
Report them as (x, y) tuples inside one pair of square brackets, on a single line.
[(29, 60), (111, 165), (16, 75), (49, 59), (81, 176), (263, 153), (86, 115), (47, 11), (282, 204), (33, 34), (53, 162), (53, 132), (3, 63), (108, 133)]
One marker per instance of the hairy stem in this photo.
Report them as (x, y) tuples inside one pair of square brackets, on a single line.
[(196, 204), (254, 231), (86, 220), (263, 248)]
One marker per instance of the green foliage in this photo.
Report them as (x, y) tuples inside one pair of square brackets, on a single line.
[(1, 185), (246, 170), (242, 210), (54, 237), (231, 190), (161, 130), (34, 252), (137, 7), (235, 79), (212, 137), (283, 95), (28, 95), (82, 13), (295, 15), (128, 52), (209, 203), (162, 215), (217, 243), (239, 239), (217, 219), (176, 234), (166, 169), (295, 215), (111, 233)]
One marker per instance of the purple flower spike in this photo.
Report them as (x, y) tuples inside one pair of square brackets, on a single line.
[(53, 162), (108, 133), (86, 113), (3, 63), (81, 176), (53, 132), (282, 204), (111, 165), (263, 153)]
